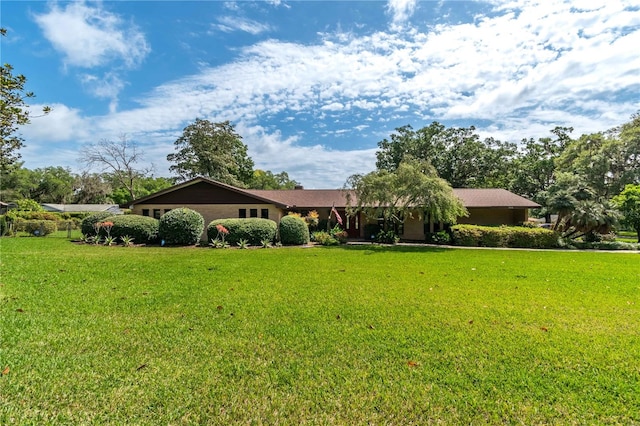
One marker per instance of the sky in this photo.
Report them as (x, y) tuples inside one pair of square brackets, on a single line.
[(313, 86)]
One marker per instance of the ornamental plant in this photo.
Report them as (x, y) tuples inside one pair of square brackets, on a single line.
[(87, 226), (218, 241)]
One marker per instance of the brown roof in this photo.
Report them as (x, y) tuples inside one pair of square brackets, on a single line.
[(304, 198), (318, 198), (492, 197), (470, 197)]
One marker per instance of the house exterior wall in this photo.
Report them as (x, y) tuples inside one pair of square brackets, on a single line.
[(494, 216), (414, 228)]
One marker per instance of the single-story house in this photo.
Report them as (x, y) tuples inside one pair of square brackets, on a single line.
[(81, 208), (215, 200)]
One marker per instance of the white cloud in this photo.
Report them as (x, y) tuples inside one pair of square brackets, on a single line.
[(91, 36), (107, 86), (61, 124), (401, 10), (234, 23)]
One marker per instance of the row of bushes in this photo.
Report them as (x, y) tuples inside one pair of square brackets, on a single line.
[(503, 236), (38, 227), (252, 230), (184, 226)]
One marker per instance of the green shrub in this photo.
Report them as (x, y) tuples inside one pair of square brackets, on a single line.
[(181, 226), (293, 231), (494, 237), (27, 204), (34, 215), (466, 235), (339, 234), (324, 238), (387, 237), (39, 228), (87, 226), (141, 229), (533, 238), (504, 236), (440, 237), (254, 230)]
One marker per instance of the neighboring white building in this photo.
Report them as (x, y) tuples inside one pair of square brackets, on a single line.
[(81, 208)]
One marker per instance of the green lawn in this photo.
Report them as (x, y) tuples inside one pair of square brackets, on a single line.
[(627, 236), (340, 335)]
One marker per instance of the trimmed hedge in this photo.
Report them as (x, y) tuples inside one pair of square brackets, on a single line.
[(293, 231), (504, 236), (39, 228), (254, 230), (143, 229), (87, 224), (31, 215), (181, 226)]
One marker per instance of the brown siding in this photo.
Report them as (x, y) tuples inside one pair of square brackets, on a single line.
[(203, 193), (494, 216)]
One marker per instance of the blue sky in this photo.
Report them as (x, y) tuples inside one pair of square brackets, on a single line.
[(312, 86)]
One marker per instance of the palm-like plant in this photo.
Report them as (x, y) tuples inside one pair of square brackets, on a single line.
[(562, 203)]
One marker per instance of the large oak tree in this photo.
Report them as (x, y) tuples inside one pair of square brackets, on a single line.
[(212, 150)]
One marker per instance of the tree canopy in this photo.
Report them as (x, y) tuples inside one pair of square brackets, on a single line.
[(14, 113), (628, 202), (212, 150), (120, 159), (267, 180), (413, 188), (457, 153)]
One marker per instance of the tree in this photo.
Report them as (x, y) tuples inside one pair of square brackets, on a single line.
[(413, 188), (267, 180), (212, 150), (458, 154), (91, 188), (535, 164), (144, 186), (119, 158), (44, 185), (14, 113), (628, 202), (580, 210), (606, 160)]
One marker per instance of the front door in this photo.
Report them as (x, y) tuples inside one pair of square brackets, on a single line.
[(353, 226)]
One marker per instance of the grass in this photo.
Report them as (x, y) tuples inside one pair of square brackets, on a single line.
[(339, 335), (626, 236)]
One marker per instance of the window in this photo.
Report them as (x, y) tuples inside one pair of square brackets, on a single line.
[(253, 212), (242, 213), (156, 213), (145, 212), (167, 210), (264, 213)]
